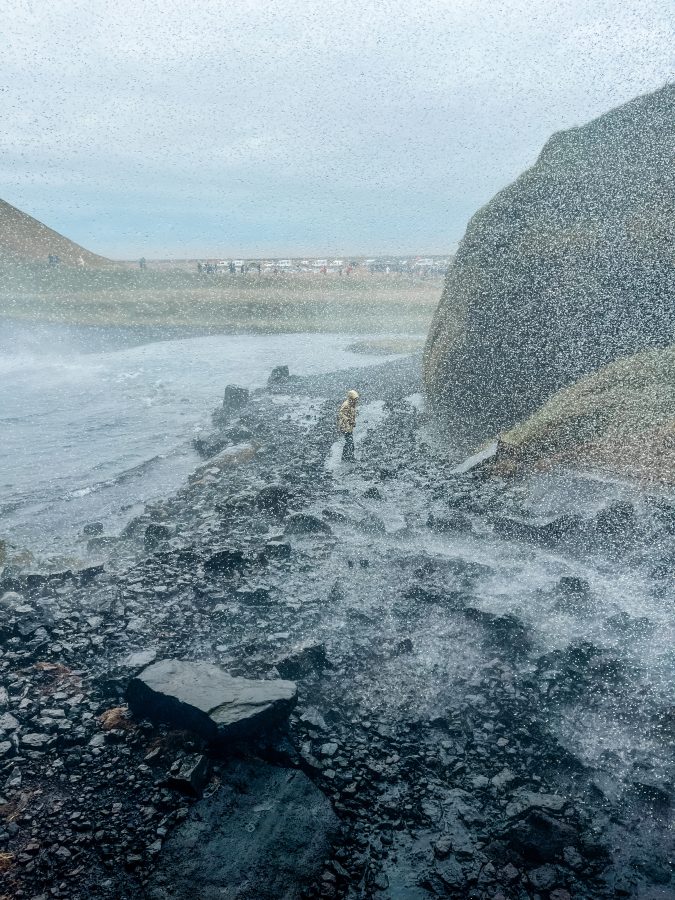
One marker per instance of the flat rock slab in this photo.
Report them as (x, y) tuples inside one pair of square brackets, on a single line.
[(203, 698), (264, 835)]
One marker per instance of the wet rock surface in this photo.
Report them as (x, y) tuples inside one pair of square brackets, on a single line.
[(204, 699), (487, 713), (262, 835)]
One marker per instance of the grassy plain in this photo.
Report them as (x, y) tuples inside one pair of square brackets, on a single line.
[(358, 303)]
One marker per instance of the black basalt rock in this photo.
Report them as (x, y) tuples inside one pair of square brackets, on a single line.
[(263, 835), (203, 698)]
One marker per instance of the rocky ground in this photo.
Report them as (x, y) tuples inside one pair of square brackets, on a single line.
[(480, 714)]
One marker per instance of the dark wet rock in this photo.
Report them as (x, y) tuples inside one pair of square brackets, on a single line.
[(372, 493), (539, 837), (448, 522), (156, 533), (191, 774), (657, 792), (573, 858), (304, 523), (372, 524), (102, 545), (238, 434), (524, 801), (263, 835), (93, 529), (278, 550), (636, 627), (89, 573), (253, 596), (573, 594), (657, 869), (278, 375), (9, 723), (274, 498), (336, 593), (226, 561), (36, 742), (582, 665), (19, 618), (543, 877), (507, 632), (443, 847), (549, 534), (403, 647), (211, 444), (203, 698), (301, 661), (235, 399), (618, 523)]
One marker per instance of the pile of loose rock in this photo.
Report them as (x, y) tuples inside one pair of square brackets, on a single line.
[(274, 686)]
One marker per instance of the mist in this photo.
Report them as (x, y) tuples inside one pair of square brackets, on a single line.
[(336, 451)]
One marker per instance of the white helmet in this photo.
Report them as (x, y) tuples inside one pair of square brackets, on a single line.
[(353, 395)]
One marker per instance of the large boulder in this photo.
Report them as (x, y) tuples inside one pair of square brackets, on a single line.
[(263, 835), (201, 697), (564, 271)]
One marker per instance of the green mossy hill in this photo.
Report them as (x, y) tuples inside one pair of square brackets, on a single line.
[(24, 239), (620, 419), (570, 267)]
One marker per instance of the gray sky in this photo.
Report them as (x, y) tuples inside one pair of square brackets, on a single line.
[(247, 127)]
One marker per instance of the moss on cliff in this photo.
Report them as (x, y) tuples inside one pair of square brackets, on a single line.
[(620, 419)]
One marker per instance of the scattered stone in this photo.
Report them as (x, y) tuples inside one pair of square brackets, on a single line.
[(225, 562), (191, 775), (304, 523), (115, 718), (503, 778), (203, 698), (617, 523), (274, 498), (93, 529), (542, 878), (302, 661), (278, 375), (448, 522), (235, 398), (139, 659), (278, 550), (155, 534), (443, 847), (36, 742), (522, 801), (540, 838)]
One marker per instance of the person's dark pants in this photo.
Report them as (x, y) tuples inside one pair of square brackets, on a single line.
[(348, 449)]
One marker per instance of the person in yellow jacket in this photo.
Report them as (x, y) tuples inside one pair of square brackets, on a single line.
[(346, 424)]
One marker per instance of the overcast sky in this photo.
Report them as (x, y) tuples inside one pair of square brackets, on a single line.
[(254, 127)]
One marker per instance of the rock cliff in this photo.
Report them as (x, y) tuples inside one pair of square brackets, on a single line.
[(562, 272)]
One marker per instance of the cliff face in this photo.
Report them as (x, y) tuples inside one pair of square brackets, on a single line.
[(24, 239), (565, 270)]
